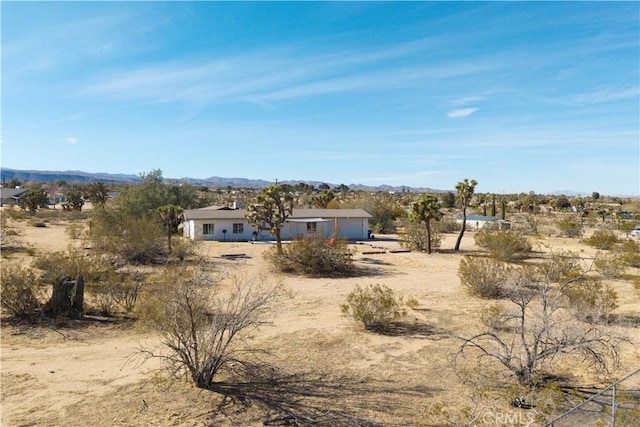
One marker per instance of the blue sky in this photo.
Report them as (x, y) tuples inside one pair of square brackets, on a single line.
[(519, 96)]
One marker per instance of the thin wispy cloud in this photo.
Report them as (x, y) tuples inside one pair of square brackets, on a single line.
[(463, 112), (71, 118), (608, 95), (71, 140)]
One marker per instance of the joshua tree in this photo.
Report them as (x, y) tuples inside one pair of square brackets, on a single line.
[(465, 190), (270, 210), (424, 210), (169, 215)]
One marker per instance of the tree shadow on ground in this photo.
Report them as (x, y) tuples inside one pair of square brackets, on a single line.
[(307, 398), (416, 329)]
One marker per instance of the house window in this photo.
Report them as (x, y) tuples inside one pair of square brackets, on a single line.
[(311, 227), (238, 228), (207, 229)]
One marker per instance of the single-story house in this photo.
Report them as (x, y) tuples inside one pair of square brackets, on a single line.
[(476, 222), (11, 196), (231, 224)]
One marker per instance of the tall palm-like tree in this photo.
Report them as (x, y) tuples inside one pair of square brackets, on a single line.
[(271, 209), (425, 209), (170, 215), (464, 193)]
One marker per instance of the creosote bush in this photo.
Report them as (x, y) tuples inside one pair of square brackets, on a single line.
[(504, 245), (602, 239), (610, 265), (313, 256), (376, 306), (21, 293), (570, 228), (591, 300), (483, 277)]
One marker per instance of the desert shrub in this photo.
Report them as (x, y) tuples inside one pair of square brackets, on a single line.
[(9, 238), (414, 236), (483, 277), (493, 317), (183, 248), (313, 255), (118, 289), (570, 228), (591, 300), (629, 251), (21, 292), (206, 324), (611, 265), (375, 306), (59, 265), (445, 225), (504, 245), (139, 240), (560, 267), (74, 231), (602, 239), (104, 297), (39, 224)]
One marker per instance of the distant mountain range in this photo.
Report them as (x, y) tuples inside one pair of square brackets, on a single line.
[(214, 181)]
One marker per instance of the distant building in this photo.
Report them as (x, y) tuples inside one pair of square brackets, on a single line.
[(477, 222), (222, 224), (11, 196)]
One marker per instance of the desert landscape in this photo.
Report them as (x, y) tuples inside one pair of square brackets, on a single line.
[(89, 372)]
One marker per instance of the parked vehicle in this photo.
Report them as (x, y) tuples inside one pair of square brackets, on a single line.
[(636, 231)]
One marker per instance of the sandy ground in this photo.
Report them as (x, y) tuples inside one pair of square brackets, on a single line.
[(84, 375)]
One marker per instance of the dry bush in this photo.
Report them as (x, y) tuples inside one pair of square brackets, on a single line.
[(313, 256), (504, 245), (602, 239), (74, 231), (611, 265), (74, 262), (375, 306), (414, 236), (629, 251), (483, 277), (590, 300), (205, 323), (21, 293), (545, 324), (494, 317), (570, 227)]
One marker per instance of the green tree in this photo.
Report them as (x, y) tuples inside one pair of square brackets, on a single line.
[(322, 199), (424, 210), (562, 203), (74, 200), (13, 183), (270, 210), (170, 214), (464, 190), (98, 193), (449, 200), (595, 195), (34, 199)]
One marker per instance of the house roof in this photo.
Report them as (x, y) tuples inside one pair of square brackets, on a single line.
[(6, 193), (297, 213)]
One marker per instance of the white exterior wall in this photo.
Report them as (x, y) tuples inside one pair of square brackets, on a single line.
[(349, 228), (194, 230)]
